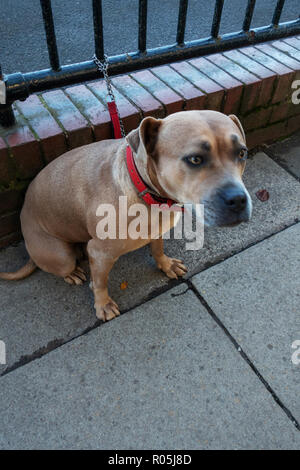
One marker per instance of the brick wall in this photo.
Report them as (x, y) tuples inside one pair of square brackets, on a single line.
[(253, 82)]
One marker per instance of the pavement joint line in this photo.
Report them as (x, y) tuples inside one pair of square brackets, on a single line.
[(276, 158), (244, 355), (44, 350), (55, 344), (218, 261)]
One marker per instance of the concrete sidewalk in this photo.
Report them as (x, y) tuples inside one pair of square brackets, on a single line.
[(204, 364)]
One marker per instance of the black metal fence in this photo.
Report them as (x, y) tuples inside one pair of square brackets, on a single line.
[(20, 86)]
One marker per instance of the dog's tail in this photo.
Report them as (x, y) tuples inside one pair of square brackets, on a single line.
[(25, 271)]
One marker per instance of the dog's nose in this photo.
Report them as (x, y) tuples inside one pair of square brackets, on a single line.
[(234, 198)]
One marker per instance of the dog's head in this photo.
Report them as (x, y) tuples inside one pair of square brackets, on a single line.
[(196, 157)]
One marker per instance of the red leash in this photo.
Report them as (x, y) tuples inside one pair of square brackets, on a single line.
[(114, 116)]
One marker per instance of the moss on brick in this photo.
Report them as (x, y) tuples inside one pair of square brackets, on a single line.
[(54, 114), (16, 185)]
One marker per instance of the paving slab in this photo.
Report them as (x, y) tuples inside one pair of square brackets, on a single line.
[(256, 294), (163, 376), (42, 311), (287, 153)]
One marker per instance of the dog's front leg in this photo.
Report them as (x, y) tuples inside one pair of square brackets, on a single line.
[(101, 263), (172, 267)]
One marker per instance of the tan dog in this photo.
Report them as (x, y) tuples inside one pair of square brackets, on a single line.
[(190, 157)]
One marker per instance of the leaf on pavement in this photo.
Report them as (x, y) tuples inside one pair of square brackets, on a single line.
[(263, 195)]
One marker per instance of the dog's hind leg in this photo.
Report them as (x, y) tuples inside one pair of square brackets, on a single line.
[(54, 256)]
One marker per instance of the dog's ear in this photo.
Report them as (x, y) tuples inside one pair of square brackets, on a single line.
[(237, 122), (146, 134), (149, 129), (133, 139)]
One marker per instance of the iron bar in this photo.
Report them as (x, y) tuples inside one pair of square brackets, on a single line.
[(248, 15), (98, 29), (217, 18), (277, 12), (19, 86), (7, 117), (183, 6), (50, 33), (143, 25)]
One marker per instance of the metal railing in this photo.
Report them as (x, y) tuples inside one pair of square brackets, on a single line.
[(20, 86)]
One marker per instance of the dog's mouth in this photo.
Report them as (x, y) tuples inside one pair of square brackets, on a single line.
[(218, 219), (233, 224)]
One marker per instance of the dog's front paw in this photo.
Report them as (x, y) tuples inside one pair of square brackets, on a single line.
[(107, 310), (172, 267)]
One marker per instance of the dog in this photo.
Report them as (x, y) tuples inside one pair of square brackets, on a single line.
[(188, 157)]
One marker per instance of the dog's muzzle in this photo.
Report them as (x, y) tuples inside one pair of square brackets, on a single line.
[(230, 205)]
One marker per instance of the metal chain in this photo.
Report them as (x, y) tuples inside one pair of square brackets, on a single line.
[(103, 67)]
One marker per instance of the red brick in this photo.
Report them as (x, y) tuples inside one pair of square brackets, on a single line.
[(193, 97), (171, 101), (24, 147), (266, 134), (9, 223), (92, 108), (11, 200), (6, 165), (280, 56), (264, 59), (293, 124), (129, 114), (215, 92), (285, 74), (294, 109), (283, 88), (52, 138), (256, 119), (279, 112), (267, 76), (74, 123), (139, 96), (233, 87), (288, 49), (253, 84), (284, 110)]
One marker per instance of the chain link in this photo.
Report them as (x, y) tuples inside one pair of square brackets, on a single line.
[(103, 67)]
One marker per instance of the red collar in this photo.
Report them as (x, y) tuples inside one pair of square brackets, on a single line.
[(143, 190)]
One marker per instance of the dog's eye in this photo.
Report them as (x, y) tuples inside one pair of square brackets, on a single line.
[(194, 160), (243, 154)]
